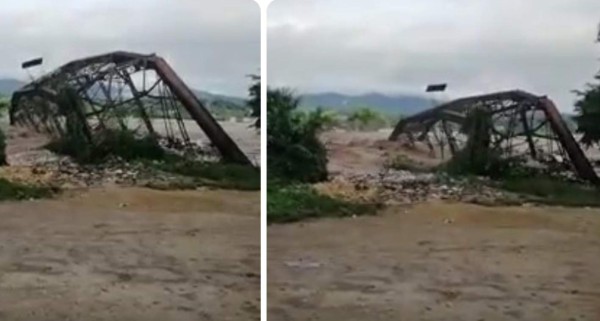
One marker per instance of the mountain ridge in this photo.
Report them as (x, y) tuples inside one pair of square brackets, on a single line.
[(396, 104), (10, 85)]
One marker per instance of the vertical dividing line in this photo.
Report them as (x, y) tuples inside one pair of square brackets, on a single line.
[(263, 157)]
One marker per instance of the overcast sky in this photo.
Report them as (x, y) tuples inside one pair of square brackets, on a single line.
[(212, 44), (398, 46)]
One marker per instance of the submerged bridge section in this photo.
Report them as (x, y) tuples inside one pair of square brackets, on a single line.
[(523, 123), (112, 87)]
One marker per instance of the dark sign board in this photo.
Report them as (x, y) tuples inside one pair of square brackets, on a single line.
[(436, 87), (31, 63)]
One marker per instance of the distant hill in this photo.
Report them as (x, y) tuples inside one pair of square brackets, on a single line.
[(213, 101), (388, 104), (8, 86), (210, 98)]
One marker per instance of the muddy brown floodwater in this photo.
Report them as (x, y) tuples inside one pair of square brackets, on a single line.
[(131, 254), (438, 261)]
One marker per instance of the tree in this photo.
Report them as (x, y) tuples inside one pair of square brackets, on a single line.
[(294, 150), (588, 113), (254, 97), (4, 105), (321, 118), (2, 149), (587, 108), (364, 117)]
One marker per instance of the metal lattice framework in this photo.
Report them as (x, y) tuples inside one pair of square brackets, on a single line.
[(113, 85), (523, 124)]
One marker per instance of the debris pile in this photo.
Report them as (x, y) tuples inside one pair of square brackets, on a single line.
[(67, 173), (406, 187), (62, 172)]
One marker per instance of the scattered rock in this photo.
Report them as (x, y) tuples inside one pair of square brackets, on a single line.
[(62, 172), (406, 187)]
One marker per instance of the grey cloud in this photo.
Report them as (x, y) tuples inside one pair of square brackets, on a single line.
[(212, 44), (543, 46)]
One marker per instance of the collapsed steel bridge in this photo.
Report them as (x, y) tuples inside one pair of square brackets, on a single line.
[(523, 123), (120, 83)]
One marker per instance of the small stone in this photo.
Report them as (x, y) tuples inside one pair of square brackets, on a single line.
[(448, 221)]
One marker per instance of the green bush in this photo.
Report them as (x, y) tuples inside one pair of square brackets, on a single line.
[(16, 191), (220, 175), (4, 105), (588, 113), (2, 148), (294, 151), (296, 157), (366, 119), (588, 110), (553, 191), (254, 98), (121, 143), (293, 203)]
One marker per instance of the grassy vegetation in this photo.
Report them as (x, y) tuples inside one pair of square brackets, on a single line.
[(552, 191), (4, 104), (299, 202), (15, 191), (221, 175), (2, 148)]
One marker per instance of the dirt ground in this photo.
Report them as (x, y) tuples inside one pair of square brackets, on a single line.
[(433, 261), (438, 261), (131, 254)]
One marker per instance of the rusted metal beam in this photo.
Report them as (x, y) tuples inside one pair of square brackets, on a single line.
[(452, 116), (138, 102), (201, 115), (528, 133), (580, 162), (509, 108), (449, 138), (98, 69)]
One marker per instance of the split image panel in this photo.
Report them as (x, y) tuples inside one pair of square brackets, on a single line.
[(130, 183), (424, 163)]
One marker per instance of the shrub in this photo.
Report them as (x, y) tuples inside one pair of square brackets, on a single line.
[(298, 202), (553, 191), (2, 148), (121, 143), (16, 191), (588, 113), (220, 175), (294, 151), (366, 119), (254, 98), (588, 110)]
